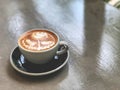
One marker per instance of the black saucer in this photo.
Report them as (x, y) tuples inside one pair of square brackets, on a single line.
[(20, 64)]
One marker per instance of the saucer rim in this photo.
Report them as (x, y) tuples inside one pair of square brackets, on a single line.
[(36, 74)]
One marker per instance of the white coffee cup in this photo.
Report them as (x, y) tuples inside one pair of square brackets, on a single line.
[(40, 56)]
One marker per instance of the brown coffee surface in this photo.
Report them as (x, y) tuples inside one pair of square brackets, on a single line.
[(38, 40)]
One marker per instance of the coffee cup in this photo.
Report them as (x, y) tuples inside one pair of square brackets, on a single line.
[(39, 46)]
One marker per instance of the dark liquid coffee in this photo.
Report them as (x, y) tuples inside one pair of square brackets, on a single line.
[(38, 40)]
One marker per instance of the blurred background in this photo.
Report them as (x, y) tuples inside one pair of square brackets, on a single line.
[(115, 3)]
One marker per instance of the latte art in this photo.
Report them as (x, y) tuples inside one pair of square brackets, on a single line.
[(38, 40)]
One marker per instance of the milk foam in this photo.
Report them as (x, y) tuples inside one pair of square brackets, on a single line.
[(38, 40)]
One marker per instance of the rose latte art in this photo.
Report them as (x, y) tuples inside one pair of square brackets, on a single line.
[(38, 40)]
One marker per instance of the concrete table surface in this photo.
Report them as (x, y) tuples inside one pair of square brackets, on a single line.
[(92, 30)]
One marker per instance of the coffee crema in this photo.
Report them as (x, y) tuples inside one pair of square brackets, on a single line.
[(38, 40)]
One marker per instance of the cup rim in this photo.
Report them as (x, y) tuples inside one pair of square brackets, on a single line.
[(49, 30)]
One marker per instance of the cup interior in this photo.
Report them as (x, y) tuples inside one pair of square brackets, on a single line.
[(41, 34)]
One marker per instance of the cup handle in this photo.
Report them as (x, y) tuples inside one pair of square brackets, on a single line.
[(63, 48)]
